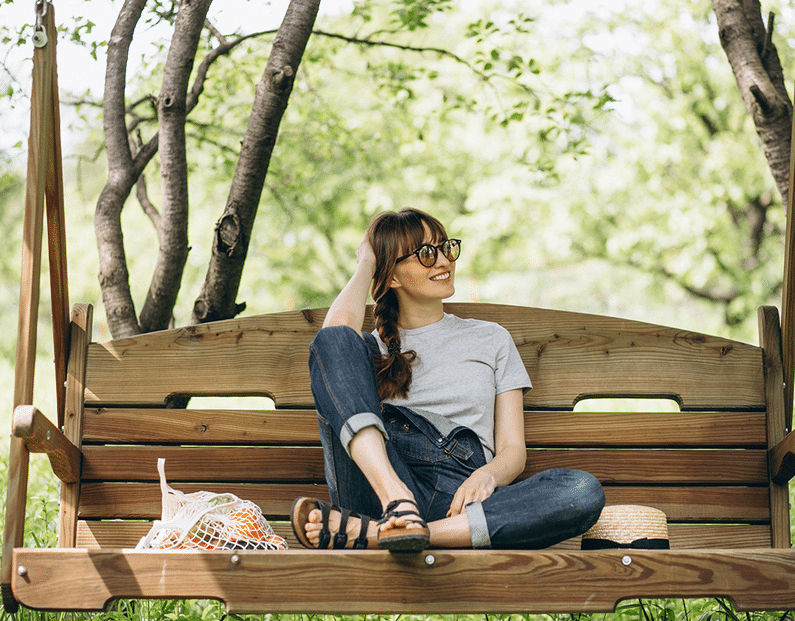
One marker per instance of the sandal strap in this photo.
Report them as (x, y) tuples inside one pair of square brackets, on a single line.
[(391, 512), (341, 538), (325, 533), (361, 541)]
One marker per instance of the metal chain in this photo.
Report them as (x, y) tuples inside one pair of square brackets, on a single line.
[(39, 33)]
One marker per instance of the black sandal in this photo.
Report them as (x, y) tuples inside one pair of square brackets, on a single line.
[(402, 538), (299, 516)]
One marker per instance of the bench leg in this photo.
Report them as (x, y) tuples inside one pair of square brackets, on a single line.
[(14, 534)]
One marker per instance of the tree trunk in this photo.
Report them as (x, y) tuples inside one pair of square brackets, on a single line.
[(114, 278), (757, 69), (171, 113), (233, 230)]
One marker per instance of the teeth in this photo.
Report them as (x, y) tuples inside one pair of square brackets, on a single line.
[(441, 276)]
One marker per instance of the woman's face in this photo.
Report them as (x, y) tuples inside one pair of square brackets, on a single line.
[(416, 281)]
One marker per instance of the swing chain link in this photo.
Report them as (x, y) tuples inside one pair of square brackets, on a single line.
[(39, 34)]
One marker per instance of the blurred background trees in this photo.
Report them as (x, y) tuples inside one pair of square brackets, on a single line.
[(594, 156)]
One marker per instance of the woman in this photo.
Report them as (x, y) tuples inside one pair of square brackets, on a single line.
[(421, 421)]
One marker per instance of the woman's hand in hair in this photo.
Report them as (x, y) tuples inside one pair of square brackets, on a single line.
[(365, 253), (349, 307)]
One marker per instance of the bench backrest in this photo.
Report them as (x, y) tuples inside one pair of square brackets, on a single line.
[(704, 465)]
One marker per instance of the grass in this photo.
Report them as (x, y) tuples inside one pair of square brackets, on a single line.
[(41, 531)]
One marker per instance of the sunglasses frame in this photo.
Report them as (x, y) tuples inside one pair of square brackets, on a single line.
[(436, 248)]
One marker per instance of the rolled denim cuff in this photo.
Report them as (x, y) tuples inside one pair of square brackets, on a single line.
[(478, 529), (356, 423)]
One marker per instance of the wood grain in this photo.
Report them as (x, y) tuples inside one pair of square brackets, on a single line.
[(680, 504), (298, 464), (542, 429), (42, 436), (119, 534), (599, 356), (450, 582)]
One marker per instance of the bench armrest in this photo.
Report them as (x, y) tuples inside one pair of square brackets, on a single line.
[(41, 436), (781, 459)]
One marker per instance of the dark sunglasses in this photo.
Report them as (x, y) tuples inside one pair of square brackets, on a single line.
[(428, 253)]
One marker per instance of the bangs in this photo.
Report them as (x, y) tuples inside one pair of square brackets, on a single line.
[(411, 230)]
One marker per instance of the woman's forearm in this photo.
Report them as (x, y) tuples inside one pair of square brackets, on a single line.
[(349, 307), (507, 464)]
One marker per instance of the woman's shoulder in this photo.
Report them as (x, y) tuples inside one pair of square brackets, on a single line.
[(481, 325)]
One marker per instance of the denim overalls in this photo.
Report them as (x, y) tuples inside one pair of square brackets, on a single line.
[(535, 513)]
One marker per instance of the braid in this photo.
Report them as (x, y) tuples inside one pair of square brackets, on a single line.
[(393, 370), (392, 234)]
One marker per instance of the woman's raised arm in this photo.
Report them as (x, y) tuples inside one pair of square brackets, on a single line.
[(349, 306)]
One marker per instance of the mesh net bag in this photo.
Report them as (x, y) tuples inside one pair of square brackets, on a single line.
[(208, 521)]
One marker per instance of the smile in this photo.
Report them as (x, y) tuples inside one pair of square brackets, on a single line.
[(443, 276)]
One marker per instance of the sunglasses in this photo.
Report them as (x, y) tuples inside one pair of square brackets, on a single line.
[(428, 253)]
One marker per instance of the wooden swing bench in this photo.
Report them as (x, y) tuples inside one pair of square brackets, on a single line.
[(719, 469)]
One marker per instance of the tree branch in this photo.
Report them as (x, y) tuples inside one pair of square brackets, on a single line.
[(757, 69), (172, 109)]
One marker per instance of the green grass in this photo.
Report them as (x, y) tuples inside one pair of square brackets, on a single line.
[(41, 531)]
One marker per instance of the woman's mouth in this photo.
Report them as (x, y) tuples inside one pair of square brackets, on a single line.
[(442, 276)]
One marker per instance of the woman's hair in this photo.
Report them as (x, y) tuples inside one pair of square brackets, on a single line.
[(392, 235)]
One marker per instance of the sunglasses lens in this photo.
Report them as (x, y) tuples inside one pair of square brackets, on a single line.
[(451, 249), (427, 255)]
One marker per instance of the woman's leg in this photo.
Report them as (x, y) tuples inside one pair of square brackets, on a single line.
[(362, 471), (538, 512)]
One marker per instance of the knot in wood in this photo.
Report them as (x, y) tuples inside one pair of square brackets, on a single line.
[(283, 79)]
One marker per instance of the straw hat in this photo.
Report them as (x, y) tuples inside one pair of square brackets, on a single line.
[(628, 526)]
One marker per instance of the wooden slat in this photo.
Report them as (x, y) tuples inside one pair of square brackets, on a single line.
[(143, 500), (261, 465), (665, 467), (377, 582), (695, 504), (680, 504), (657, 429), (599, 356), (160, 425), (542, 429), (291, 464), (92, 534)]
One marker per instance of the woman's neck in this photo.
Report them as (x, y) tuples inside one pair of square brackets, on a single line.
[(415, 316)]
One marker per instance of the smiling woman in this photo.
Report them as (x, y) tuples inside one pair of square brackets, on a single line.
[(421, 420)]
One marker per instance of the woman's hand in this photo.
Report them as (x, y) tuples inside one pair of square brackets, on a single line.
[(509, 458), (365, 252), (479, 486), (349, 307)]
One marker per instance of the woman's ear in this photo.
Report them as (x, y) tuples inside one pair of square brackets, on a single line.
[(395, 284)]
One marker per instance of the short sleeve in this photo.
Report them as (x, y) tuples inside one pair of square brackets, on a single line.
[(510, 372)]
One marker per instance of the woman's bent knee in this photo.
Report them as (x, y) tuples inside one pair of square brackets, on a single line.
[(334, 334), (591, 496)]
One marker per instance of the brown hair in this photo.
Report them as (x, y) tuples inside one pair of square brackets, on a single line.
[(392, 235)]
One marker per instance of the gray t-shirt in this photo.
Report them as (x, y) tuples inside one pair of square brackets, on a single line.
[(461, 366)]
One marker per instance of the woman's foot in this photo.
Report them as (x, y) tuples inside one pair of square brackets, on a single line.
[(402, 528), (319, 524), (314, 528)]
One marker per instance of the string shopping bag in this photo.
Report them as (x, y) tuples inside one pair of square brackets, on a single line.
[(208, 521)]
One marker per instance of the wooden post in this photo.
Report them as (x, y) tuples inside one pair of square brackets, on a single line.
[(44, 183), (788, 295)]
